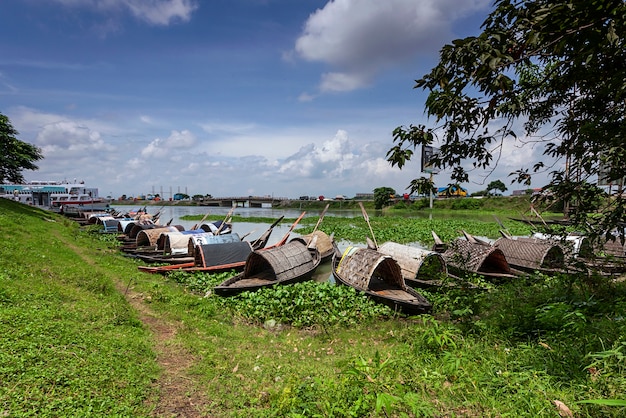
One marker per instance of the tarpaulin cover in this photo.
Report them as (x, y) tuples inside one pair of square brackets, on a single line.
[(209, 255)]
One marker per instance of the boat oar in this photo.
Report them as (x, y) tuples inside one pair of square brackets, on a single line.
[(245, 235), (367, 219), (284, 239), (319, 221), (157, 215), (196, 226), (228, 215), (504, 231), (265, 236)]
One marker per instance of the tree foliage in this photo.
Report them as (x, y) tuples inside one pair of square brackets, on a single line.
[(547, 73), (496, 186), (422, 187), (383, 196), (15, 155)]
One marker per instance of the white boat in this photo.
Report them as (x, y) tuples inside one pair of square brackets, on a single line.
[(52, 194)]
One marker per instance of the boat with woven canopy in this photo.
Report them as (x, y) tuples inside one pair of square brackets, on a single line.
[(290, 263), (420, 267), (379, 277), (532, 255), (463, 257)]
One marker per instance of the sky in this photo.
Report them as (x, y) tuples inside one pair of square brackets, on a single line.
[(278, 98)]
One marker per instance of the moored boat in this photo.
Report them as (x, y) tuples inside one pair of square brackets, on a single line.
[(52, 194), (420, 267), (226, 256), (379, 277), (464, 257), (290, 263)]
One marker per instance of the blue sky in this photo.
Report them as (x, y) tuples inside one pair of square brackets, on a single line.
[(229, 98)]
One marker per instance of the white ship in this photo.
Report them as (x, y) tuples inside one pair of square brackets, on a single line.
[(52, 194)]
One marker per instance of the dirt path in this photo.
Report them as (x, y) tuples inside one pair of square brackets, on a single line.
[(179, 395)]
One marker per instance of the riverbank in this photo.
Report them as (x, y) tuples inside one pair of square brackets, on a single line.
[(518, 205), (85, 334)]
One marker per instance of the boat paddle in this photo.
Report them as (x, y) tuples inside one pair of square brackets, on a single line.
[(229, 215), (319, 221), (367, 219), (196, 226), (284, 239), (265, 235)]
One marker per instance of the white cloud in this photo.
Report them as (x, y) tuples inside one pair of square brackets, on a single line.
[(162, 12), (61, 137), (170, 146), (343, 82), (155, 12), (360, 38)]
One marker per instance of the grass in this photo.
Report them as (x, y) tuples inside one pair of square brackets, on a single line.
[(70, 345), (73, 345)]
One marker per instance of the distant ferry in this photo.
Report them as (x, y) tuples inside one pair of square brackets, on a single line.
[(52, 194)]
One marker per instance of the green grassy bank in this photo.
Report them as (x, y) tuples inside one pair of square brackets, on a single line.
[(84, 333)]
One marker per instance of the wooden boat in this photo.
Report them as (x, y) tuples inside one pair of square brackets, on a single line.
[(420, 267), (606, 258), (465, 257), (379, 277), (528, 254), (179, 247), (532, 255), (290, 263), (223, 257)]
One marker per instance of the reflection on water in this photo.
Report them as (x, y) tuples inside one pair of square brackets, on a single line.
[(323, 273)]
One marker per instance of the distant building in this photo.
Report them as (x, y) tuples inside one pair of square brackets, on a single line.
[(525, 192), (364, 196)]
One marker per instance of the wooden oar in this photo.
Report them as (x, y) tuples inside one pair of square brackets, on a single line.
[(266, 234), (284, 239), (196, 226), (246, 234), (367, 219), (504, 231), (228, 215), (157, 215), (319, 221)]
